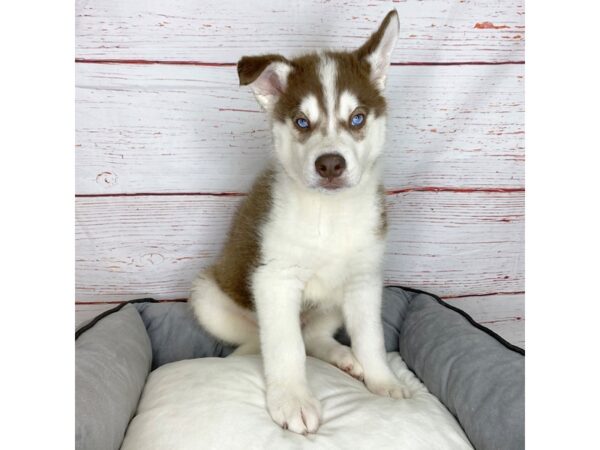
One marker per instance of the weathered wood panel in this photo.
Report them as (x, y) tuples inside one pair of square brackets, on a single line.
[(503, 314), (193, 129), (456, 243), (188, 128), (222, 31), (446, 242)]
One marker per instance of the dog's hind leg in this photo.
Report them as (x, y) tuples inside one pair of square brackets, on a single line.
[(320, 326), (222, 317)]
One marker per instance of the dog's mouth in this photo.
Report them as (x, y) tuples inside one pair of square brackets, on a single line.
[(333, 184)]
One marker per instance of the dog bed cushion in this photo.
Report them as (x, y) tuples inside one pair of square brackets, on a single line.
[(479, 377), (113, 361), (220, 403)]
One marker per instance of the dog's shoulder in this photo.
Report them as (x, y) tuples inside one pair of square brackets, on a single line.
[(241, 253)]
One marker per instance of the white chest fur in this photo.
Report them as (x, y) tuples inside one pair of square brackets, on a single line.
[(320, 238)]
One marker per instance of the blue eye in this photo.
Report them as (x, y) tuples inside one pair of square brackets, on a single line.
[(357, 120), (302, 123)]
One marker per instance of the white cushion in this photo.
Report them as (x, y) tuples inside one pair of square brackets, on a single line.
[(220, 403)]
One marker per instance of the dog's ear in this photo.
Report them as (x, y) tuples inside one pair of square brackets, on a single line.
[(266, 75), (377, 51)]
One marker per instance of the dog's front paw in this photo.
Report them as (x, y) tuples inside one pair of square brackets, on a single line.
[(296, 410), (389, 387)]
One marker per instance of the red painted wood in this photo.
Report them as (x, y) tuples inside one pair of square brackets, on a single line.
[(489, 294), (242, 194), (151, 62), (163, 194)]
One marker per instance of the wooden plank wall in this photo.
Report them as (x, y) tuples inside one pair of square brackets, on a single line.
[(167, 143)]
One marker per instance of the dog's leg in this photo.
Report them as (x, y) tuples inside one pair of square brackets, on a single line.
[(362, 314), (320, 326), (290, 403)]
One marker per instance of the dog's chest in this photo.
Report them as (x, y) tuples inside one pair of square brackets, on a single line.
[(321, 234)]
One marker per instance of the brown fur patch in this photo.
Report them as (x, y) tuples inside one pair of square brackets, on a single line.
[(302, 81), (241, 254), (250, 67), (354, 76), (383, 223)]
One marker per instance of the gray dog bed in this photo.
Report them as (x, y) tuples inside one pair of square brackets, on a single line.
[(476, 374)]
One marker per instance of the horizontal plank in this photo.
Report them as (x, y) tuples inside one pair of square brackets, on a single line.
[(223, 31), (503, 314), (160, 129), (445, 242)]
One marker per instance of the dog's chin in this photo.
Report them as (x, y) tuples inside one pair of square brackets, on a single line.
[(332, 186)]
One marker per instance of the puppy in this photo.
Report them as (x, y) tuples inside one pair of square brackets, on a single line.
[(304, 253)]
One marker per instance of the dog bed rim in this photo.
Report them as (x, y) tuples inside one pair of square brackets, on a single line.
[(477, 325)]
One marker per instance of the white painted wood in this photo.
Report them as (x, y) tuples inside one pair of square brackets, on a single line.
[(446, 242), (456, 243), (159, 128), (190, 129), (503, 314), (511, 330), (223, 31)]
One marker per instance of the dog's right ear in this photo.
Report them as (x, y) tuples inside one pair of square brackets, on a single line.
[(267, 77)]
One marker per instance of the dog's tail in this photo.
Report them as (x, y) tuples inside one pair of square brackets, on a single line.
[(222, 317)]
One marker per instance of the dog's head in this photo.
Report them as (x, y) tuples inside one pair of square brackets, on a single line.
[(327, 109)]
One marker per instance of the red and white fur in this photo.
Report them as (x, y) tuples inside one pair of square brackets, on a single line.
[(321, 244)]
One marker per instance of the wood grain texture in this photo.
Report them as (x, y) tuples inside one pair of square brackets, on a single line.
[(175, 124), (164, 129), (223, 31), (503, 314), (444, 242)]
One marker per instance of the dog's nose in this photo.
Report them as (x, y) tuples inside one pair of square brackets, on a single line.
[(330, 165)]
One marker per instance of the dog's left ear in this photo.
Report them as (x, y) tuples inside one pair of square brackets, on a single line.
[(267, 77), (377, 51)]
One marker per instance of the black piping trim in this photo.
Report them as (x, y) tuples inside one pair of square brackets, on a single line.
[(486, 330), (101, 316)]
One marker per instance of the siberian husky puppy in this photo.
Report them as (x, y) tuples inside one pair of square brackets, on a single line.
[(304, 253)]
